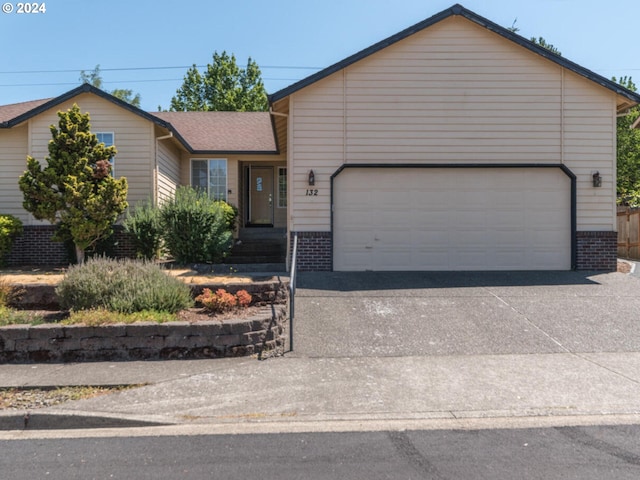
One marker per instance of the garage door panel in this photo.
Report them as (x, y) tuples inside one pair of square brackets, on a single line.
[(452, 219)]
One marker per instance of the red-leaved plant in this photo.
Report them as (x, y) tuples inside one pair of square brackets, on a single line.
[(222, 301)]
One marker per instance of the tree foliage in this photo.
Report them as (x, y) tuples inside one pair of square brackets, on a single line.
[(628, 145), (95, 78), (540, 41), (223, 86), (75, 189)]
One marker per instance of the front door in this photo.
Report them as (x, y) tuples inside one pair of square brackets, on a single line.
[(261, 196)]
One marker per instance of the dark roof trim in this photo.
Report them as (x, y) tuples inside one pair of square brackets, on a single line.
[(84, 88), (87, 88), (474, 17), (234, 152)]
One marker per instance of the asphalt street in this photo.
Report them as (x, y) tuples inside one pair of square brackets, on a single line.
[(585, 453)]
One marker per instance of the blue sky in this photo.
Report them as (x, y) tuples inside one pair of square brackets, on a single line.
[(128, 39)]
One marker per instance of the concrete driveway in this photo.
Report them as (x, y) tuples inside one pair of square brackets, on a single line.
[(341, 314)]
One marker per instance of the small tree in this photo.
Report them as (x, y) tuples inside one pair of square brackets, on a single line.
[(75, 189)]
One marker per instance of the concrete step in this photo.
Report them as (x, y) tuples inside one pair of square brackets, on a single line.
[(232, 267), (255, 259)]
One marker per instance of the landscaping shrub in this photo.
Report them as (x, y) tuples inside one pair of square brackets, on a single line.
[(145, 227), (10, 226), (222, 301), (230, 214), (124, 286), (196, 227)]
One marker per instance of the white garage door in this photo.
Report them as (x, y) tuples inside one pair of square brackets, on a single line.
[(452, 219)]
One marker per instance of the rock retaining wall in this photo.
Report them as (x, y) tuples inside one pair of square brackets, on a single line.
[(262, 334)]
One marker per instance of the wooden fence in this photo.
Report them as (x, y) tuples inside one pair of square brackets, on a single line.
[(629, 233)]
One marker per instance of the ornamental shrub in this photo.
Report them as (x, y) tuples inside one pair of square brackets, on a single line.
[(230, 214), (124, 286), (196, 228), (145, 227), (222, 301), (10, 227)]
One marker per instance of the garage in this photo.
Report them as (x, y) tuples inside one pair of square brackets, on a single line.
[(388, 218)]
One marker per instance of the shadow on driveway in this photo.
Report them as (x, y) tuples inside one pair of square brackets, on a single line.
[(362, 281)]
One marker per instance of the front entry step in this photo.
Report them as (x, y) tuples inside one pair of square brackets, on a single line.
[(259, 246)]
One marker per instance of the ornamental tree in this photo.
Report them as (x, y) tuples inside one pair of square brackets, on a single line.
[(75, 190)]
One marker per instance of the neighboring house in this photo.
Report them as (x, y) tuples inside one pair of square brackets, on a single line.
[(453, 145)]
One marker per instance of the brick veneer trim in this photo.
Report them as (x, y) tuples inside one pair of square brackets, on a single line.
[(596, 250), (315, 252), (35, 247)]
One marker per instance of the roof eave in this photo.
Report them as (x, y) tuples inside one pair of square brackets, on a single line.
[(234, 152), (457, 9), (84, 88)]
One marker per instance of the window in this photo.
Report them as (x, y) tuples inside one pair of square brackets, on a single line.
[(107, 138), (282, 187), (210, 176)]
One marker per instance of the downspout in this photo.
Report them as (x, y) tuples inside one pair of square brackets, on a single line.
[(155, 169), (288, 258)]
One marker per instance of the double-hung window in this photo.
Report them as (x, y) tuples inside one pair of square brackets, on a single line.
[(210, 175), (108, 139)]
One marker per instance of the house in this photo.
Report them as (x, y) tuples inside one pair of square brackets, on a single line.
[(223, 152), (455, 144)]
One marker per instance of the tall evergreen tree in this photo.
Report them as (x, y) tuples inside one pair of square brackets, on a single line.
[(75, 190)]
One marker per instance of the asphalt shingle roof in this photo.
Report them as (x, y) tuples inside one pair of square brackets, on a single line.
[(9, 112), (223, 131)]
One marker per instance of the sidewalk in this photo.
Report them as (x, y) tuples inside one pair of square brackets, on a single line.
[(294, 390)]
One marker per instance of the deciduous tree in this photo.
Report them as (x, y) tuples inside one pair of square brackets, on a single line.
[(628, 145), (223, 86), (95, 78)]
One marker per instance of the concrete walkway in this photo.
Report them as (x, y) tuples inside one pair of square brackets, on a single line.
[(565, 372)]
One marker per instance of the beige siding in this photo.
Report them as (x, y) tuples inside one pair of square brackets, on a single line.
[(589, 146), (452, 93), (168, 169), (133, 136), (13, 163)]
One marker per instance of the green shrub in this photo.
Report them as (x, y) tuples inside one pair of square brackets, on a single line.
[(230, 214), (196, 228), (124, 286), (10, 226), (145, 227)]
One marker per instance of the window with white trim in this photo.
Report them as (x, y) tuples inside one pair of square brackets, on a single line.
[(108, 138), (282, 187), (210, 175)]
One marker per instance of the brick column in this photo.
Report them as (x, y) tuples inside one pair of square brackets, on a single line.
[(597, 251), (314, 251)]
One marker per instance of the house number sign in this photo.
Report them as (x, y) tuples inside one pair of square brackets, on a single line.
[(312, 192), (259, 184)]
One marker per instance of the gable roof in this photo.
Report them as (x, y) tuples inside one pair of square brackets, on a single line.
[(223, 132), (39, 106), (198, 132), (458, 9)]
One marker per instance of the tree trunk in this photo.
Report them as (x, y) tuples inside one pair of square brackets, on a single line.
[(79, 255)]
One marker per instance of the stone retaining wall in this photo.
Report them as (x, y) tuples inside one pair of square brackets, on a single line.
[(262, 334)]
